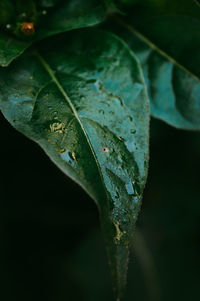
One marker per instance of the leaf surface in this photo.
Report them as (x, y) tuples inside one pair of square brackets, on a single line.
[(66, 16), (10, 48), (71, 15), (85, 103), (170, 62)]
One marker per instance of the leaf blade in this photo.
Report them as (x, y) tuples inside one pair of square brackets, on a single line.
[(174, 88), (92, 122), (10, 48)]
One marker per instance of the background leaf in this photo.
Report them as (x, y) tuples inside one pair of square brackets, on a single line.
[(170, 62), (10, 48), (85, 103), (70, 15), (65, 16)]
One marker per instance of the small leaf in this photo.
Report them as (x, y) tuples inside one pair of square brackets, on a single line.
[(84, 101), (171, 68)]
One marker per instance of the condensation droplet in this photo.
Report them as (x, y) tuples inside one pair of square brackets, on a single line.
[(130, 188), (120, 158), (54, 114), (133, 131)]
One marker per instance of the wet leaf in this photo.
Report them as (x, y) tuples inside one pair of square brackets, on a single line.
[(85, 104), (170, 62)]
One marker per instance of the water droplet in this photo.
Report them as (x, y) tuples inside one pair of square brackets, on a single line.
[(8, 26), (136, 199), (129, 188), (133, 131), (105, 149), (54, 114), (117, 99), (44, 12), (120, 158)]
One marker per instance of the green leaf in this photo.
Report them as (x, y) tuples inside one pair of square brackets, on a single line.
[(66, 16), (71, 15), (85, 103), (170, 61), (10, 48)]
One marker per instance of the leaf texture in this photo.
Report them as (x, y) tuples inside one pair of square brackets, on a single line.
[(85, 103), (170, 63)]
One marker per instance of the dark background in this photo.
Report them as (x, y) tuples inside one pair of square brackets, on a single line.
[(51, 245)]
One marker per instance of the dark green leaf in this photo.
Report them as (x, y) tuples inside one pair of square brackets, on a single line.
[(142, 10), (71, 15), (85, 103), (170, 61), (10, 48), (66, 16)]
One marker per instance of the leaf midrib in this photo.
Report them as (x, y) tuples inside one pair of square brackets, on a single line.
[(61, 89), (154, 47)]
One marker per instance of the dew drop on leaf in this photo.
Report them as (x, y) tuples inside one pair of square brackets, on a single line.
[(133, 131), (129, 188)]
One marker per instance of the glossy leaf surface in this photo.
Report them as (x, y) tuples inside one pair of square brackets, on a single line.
[(85, 103), (170, 62), (65, 16)]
